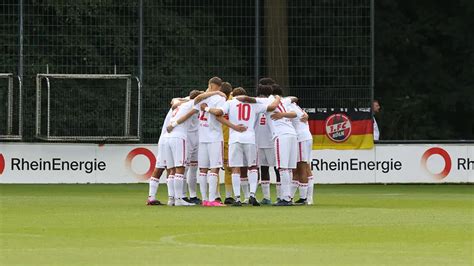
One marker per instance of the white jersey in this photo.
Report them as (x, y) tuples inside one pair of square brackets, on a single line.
[(162, 142), (210, 130), (262, 131), (302, 128), (166, 122), (181, 130), (281, 126), (193, 122), (245, 114)]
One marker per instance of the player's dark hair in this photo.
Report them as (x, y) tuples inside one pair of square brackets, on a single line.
[(226, 88), (266, 81), (239, 91), (276, 90), (194, 93), (216, 80), (264, 90)]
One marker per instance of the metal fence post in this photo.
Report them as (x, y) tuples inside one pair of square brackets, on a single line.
[(20, 106), (10, 106), (128, 103), (140, 70), (257, 43), (38, 105), (372, 53), (48, 116), (20, 41), (140, 42)]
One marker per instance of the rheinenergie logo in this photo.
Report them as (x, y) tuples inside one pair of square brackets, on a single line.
[(140, 151), (57, 164), (447, 162), (2, 163)]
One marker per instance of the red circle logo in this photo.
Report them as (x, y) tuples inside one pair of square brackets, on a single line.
[(446, 158), (2, 163), (338, 127), (141, 151)]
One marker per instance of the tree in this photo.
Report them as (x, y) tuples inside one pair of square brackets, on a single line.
[(425, 69)]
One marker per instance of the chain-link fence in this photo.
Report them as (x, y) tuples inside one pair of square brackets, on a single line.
[(319, 50)]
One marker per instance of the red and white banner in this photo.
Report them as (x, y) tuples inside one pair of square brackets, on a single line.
[(75, 163), (127, 163), (391, 163)]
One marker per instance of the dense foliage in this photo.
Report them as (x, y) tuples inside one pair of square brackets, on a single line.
[(424, 68), (424, 56)]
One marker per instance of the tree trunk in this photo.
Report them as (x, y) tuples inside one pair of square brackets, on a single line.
[(276, 40)]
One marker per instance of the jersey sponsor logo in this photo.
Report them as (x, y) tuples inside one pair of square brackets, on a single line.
[(2, 163), (447, 162), (338, 127), (144, 152), (263, 120)]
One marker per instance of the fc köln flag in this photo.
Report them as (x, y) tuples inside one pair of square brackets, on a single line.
[(341, 128)]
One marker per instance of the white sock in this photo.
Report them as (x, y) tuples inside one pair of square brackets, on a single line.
[(294, 186), (178, 186), (236, 185), (285, 184), (253, 181), (212, 177), (278, 189), (265, 189), (192, 179), (244, 183), (303, 190), (228, 192), (203, 185), (170, 183), (310, 188), (185, 183), (153, 187)]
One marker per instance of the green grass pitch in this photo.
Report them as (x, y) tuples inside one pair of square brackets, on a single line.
[(349, 225)]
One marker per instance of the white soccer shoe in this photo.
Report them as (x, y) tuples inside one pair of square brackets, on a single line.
[(309, 201), (171, 201), (182, 202)]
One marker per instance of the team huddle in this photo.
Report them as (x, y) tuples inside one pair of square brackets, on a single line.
[(267, 131)]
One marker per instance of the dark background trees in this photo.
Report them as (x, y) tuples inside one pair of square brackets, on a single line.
[(424, 68), (424, 54)]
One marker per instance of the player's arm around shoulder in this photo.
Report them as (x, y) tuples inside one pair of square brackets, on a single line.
[(238, 128), (293, 99), (245, 99), (206, 95), (181, 120), (280, 115), (214, 111), (290, 113), (273, 105), (176, 102), (300, 113)]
